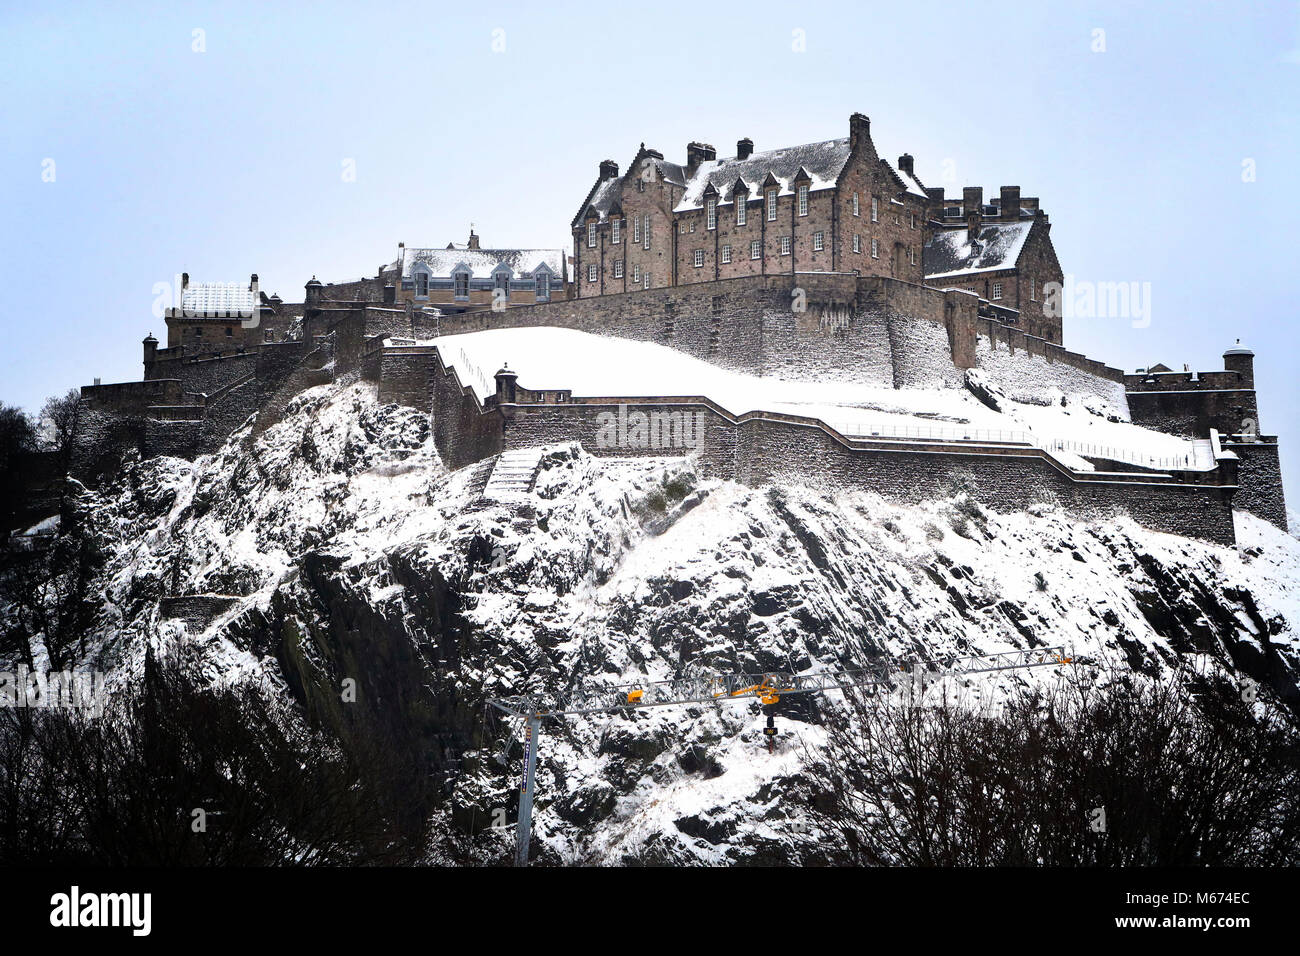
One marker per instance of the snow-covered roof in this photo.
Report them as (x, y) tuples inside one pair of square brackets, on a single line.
[(482, 263), (823, 162), (218, 298), (950, 252)]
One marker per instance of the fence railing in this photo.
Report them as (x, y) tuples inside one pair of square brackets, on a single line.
[(1196, 458)]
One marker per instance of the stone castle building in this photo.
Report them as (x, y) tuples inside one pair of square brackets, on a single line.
[(898, 287)]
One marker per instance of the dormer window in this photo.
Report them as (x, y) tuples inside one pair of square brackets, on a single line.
[(460, 285), (502, 281), (803, 199), (591, 234), (771, 205), (711, 212), (740, 208), (421, 285), (543, 286), (615, 231)]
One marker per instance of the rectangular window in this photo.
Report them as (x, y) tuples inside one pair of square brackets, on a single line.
[(692, 225), (818, 239), (682, 228), (913, 220), (997, 290), (857, 243), (1033, 292), (615, 231), (726, 253), (543, 286), (591, 272), (803, 199), (502, 281), (755, 249), (785, 245), (461, 285), (229, 332), (875, 209), (771, 205), (645, 231), (875, 249), (618, 268), (421, 285), (740, 209), (699, 258), (856, 210), (636, 272), (911, 254), (636, 228), (647, 280), (712, 213), (591, 235)]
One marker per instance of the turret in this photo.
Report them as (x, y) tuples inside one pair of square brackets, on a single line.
[(1241, 360), (506, 385)]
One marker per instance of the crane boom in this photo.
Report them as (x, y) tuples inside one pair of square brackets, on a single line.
[(767, 687)]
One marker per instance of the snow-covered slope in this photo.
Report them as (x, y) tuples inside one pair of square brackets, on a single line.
[(354, 554)]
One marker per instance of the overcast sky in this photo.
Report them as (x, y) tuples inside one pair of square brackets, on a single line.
[(142, 141)]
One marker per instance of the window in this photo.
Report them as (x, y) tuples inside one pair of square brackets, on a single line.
[(997, 290), (229, 332), (875, 249), (422, 285), (1033, 292), (913, 222), (857, 211), (726, 253), (591, 272), (636, 272), (543, 286), (740, 208), (818, 239), (692, 225), (591, 235), (647, 280), (636, 228), (640, 185), (711, 211), (615, 231), (785, 245), (460, 285), (857, 243), (755, 249), (502, 281), (646, 231), (875, 209), (682, 227), (198, 333), (911, 254), (699, 258), (771, 205), (618, 268), (803, 199)]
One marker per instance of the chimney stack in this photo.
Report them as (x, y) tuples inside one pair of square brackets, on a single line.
[(905, 163), (608, 169), (1010, 203), (697, 153), (972, 201), (473, 237), (859, 130), (744, 148)]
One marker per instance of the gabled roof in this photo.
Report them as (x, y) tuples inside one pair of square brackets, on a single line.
[(218, 299), (482, 262), (949, 253), (821, 162)]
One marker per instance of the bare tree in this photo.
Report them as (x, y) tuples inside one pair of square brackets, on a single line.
[(1126, 772)]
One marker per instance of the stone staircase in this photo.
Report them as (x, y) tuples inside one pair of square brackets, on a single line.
[(513, 475)]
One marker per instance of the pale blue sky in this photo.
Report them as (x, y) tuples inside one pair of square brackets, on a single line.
[(229, 161)]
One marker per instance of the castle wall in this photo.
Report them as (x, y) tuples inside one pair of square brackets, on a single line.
[(786, 449), (1260, 479), (463, 431), (1022, 364)]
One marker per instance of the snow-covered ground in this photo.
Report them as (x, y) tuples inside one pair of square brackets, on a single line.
[(607, 366)]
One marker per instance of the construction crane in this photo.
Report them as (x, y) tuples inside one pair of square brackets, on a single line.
[(767, 687)]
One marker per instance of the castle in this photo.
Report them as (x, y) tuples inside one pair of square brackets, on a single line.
[(816, 262)]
